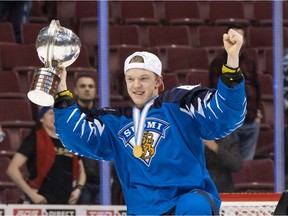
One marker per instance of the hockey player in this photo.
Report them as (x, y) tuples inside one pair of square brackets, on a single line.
[(156, 145)]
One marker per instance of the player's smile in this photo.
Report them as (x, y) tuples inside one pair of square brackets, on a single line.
[(139, 93), (141, 85)]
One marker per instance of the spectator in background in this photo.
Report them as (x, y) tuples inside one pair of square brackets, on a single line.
[(223, 157), (14, 12), (286, 151), (53, 169), (2, 134), (248, 133), (285, 77), (27, 11), (85, 93), (285, 93)]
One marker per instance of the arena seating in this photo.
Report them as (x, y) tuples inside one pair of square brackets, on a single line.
[(263, 14), (227, 12), (30, 31), (7, 34), (255, 176)]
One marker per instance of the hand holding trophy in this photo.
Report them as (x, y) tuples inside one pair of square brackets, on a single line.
[(56, 47)]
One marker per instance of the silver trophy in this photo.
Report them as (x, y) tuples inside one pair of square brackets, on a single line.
[(56, 47)]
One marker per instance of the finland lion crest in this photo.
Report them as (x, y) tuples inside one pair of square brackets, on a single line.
[(154, 131)]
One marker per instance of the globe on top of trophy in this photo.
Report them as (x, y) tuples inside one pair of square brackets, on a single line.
[(56, 47)]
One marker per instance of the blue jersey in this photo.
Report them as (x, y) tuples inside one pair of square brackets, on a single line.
[(173, 162)]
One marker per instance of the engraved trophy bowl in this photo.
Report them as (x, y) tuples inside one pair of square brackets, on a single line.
[(56, 47)]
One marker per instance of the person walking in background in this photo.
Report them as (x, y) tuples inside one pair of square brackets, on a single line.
[(56, 175), (2, 134), (248, 133), (285, 89), (285, 82), (156, 145), (223, 157), (14, 12), (85, 93)]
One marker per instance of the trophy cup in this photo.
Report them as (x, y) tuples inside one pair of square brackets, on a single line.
[(56, 47)]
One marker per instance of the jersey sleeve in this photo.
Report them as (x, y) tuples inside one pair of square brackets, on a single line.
[(215, 112), (81, 135)]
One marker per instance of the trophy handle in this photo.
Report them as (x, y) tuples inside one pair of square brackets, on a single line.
[(52, 33)]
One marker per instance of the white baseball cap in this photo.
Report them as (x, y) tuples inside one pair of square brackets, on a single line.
[(151, 63)]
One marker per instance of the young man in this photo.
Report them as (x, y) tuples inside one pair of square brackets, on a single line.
[(156, 145), (85, 92)]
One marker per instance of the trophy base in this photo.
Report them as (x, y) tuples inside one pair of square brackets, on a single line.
[(44, 86), (40, 98)]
